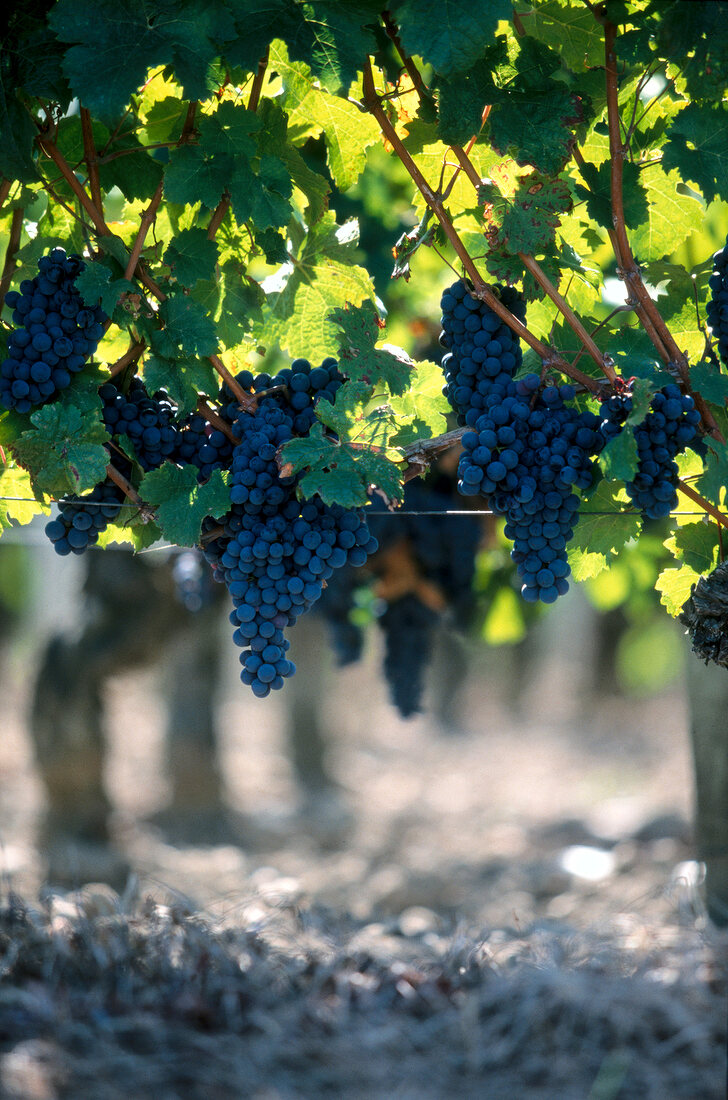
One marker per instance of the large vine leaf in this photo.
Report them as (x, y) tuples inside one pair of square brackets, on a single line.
[(339, 471), (571, 29), (697, 148), (115, 42), (606, 522), (448, 34), (182, 504), (672, 217), (17, 501), (64, 451), (359, 358), (320, 278)]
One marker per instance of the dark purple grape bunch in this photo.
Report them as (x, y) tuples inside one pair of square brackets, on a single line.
[(718, 302), (81, 519), (671, 425), (147, 420), (526, 455), (55, 336), (276, 552), (483, 352)]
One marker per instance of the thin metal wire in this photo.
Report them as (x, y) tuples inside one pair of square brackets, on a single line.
[(394, 512)]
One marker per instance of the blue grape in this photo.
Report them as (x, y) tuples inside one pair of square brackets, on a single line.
[(55, 336)]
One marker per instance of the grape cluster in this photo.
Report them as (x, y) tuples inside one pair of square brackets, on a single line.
[(56, 333), (483, 352), (201, 444), (670, 426), (81, 519), (276, 552), (431, 547), (147, 420), (526, 454), (409, 627), (718, 303), (528, 448)]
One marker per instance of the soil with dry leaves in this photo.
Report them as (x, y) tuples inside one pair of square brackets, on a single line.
[(506, 907)]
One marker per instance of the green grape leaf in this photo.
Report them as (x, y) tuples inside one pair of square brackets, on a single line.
[(232, 301), (708, 380), (136, 533), (96, 285), (19, 134), (346, 410), (64, 451), (274, 139), (187, 326), (164, 120), (341, 473), (525, 221), (606, 522), (421, 412), (229, 130), (358, 357), (262, 194), (113, 46), (181, 504), (461, 99), (332, 36), (191, 176), (697, 147), (672, 216), (619, 458), (585, 564), (713, 482), (183, 379), (571, 30), (136, 173), (597, 193), (537, 127), (348, 132), (191, 256), (675, 586), (697, 544), (272, 244), (322, 277), (448, 34), (17, 501)]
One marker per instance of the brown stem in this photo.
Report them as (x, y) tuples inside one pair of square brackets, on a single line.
[(258, 83), (145, 224), (246, 402), (64, 168), (131, 355), (5, 186), (217, 216), (420, 455), (126, 487), (542, 279), (545, 283), (629, 271), (434, 201), (16, 229), (411, 69), (91, 158), (216, 420), (704, 504)]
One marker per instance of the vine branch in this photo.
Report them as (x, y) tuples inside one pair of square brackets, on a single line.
[(16, 229), (629, 270), (91, 158), (548, 355)]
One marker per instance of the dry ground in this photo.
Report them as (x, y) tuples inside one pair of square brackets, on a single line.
[(510, 909)]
